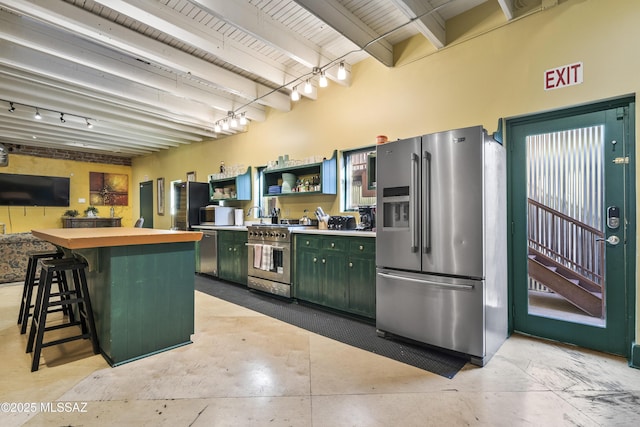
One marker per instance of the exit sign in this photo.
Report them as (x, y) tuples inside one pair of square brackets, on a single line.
[(567, 75)]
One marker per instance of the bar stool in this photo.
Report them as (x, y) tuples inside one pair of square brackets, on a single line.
[(79, 296), (31, 280)]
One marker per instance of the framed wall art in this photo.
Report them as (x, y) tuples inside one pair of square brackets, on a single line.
[(160, 197)]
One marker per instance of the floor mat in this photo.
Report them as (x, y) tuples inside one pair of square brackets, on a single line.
[(331, 325)]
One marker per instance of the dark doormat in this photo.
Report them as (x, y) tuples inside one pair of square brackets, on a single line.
[(347, 330)]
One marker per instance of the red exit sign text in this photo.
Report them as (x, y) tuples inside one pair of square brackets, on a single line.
[(567, 75)]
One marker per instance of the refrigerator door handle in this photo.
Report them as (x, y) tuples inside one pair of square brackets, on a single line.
[(413, 205), (426, 203), (425, 282)]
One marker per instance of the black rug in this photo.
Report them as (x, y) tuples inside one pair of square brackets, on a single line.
[(354, 332)]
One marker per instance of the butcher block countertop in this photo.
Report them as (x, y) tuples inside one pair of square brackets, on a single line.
[(83, 238)]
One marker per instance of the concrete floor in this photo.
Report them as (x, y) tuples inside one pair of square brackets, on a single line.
[(246, 369)]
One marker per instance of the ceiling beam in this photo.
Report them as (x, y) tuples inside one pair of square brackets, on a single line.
[(100, 30), (252, 20), (351, 27), (190, 31), (430, 24), (507, 8)]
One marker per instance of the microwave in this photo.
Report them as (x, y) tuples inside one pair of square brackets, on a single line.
[(208, 215)]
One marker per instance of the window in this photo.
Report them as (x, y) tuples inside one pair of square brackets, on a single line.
[(359, 178)]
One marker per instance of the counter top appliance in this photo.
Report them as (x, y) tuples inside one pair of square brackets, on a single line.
[(345, 222), (441, 246)]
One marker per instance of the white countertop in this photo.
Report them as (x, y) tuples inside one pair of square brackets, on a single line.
[(294, 230)]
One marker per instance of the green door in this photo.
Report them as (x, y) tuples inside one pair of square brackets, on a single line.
[(572, 210), (146, 203)]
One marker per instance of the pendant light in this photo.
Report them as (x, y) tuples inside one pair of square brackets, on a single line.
[(37, 116), (295, 95), (342, 72), (307, 87), (243, 119), (322, 82)]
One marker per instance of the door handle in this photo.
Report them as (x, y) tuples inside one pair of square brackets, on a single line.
[(612, 240)]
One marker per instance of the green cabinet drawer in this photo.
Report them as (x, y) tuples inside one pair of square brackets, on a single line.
[(336, 244)]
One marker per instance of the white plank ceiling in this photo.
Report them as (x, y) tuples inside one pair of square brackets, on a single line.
[(151, 75)]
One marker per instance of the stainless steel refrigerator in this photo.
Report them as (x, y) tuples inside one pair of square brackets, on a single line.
[(441, 246)]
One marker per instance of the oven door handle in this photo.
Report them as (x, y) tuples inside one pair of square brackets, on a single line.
[(284, 248)]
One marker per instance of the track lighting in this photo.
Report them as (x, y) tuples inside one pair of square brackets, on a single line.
[(38, 116), (295, 95), (225, 125), (323, 80), (234, 122), (243, 119), (217, 128), (342, 72), (307, 87)]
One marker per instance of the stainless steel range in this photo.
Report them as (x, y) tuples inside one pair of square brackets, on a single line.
[(269, 258)]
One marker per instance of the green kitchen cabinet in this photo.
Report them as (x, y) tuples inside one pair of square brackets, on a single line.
[(308, 266), (232, 256), (362, 276), (336, 272)]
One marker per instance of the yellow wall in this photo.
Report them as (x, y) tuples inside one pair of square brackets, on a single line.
[(490, 71), (19, 219)]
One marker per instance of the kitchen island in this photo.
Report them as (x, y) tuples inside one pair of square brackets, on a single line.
[(141, 284)]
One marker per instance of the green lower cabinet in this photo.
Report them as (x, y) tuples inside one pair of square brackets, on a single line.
[(232, 256), (362, 277), (336, 272)]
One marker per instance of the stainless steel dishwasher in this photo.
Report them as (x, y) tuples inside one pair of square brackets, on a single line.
[(209, 253)]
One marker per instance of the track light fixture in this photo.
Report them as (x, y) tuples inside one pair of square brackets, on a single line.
[(217, 128), (322, 81), (342, 72), (38, 116), (308, 88), (295, 95), (225, 125), (243, 119)]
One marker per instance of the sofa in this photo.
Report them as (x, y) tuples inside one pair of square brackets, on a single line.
[(13, 254)]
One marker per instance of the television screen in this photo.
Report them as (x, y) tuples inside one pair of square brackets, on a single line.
[(33, 190)]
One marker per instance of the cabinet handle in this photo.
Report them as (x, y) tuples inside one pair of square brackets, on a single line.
[(307, 242), (324, 260), (230, 249), (235, 249), (361, 247), (315, 259), (333, 245), (350, 265)]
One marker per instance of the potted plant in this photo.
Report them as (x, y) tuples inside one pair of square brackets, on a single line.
[(70, 212), (91, 211)]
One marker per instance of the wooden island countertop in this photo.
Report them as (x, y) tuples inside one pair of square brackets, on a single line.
[(141, 282), (83, 238)]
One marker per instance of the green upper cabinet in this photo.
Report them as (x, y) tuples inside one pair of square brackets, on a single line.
[(324, 172), (230, 188)]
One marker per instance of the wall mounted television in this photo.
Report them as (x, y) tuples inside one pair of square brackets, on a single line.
[(33, 190)]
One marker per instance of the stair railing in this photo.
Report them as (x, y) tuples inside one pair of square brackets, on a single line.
[(572, 243)]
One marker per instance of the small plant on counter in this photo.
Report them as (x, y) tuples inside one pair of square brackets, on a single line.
[(91, 211), (71, 213)]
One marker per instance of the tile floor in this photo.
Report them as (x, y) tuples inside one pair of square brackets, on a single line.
[(246, 369)]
